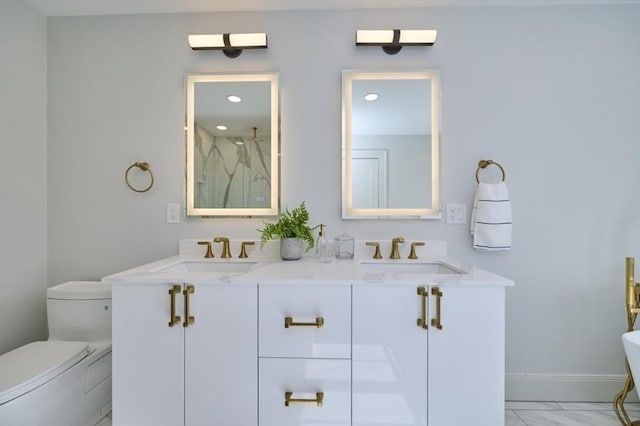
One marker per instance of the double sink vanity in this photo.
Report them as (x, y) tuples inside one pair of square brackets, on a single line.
[(260, 341)]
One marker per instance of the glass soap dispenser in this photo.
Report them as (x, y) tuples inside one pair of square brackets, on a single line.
[(345, 244), (320, 241)]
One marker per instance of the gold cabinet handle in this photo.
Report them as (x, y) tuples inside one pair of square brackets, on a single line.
[(188, 319), (174, 319), (424, 294), (288, 322), (436, 322), (289, 399)]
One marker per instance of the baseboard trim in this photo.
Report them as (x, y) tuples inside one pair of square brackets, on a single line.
[(566, 387)]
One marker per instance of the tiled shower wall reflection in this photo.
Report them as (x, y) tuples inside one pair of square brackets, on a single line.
[(231, 171)]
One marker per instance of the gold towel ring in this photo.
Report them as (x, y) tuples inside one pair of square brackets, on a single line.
[(483, 164), (145, 168)]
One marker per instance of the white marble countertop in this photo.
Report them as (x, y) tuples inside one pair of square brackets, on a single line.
[(265, 267)]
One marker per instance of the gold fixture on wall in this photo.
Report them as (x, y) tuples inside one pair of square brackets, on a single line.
[(632, 303), (483, 164), (230, 44), (392, 41), (144, 166)]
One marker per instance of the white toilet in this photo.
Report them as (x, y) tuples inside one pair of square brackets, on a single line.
[(66, 380)]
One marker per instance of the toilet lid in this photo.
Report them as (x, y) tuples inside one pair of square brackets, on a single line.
[(31, 365)]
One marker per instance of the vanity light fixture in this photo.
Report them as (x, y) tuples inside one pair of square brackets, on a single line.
[(233, 98), (230, 44), (392, 41)]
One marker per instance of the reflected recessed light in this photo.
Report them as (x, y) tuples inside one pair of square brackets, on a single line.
[(234, 98), (239, 143), (221, 127), (370, 96)]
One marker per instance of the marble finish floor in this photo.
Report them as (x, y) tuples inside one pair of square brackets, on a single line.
[(527, 413)]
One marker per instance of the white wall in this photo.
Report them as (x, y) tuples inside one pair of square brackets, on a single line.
[(23, 170), (552, 93)]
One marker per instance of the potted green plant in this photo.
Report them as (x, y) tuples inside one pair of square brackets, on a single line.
[(293, 230)]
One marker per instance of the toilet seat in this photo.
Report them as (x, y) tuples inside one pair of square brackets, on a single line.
[(34, 364)]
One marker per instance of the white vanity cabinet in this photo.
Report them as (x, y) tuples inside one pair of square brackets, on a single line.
[(305, 354), (405, 374), (202, 373)]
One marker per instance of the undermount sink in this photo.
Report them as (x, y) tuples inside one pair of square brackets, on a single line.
[(220, 266), (417, 267)]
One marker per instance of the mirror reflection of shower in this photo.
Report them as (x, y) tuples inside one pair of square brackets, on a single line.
[(232, 171)]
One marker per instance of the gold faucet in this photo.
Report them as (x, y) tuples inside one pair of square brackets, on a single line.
[(243, 249), (226, 252), (395, 254), (209, 252), (412, 254), (375, 244)]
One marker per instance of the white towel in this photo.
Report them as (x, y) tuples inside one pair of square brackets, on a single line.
[(491, 217)]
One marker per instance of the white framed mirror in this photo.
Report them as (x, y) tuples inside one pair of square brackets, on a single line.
[(232, 137), (390, 144)]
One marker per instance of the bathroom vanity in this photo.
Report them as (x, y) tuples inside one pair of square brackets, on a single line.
[(258, 341)]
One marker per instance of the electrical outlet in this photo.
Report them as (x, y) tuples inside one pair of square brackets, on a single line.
[(456, 213), (173, 213)]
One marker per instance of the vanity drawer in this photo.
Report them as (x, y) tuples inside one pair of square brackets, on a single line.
[(305, 321), (306, 381)]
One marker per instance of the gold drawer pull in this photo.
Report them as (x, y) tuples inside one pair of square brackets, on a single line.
[(424, 294), (436, 322), (288, 322), (174, 319), (188, 319), (318, 400)]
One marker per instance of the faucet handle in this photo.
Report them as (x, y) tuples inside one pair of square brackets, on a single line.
[(243, 248), (209, 253), (226, 252), (375, 244), (415, 244)]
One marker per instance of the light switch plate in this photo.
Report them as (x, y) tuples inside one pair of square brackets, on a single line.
[(456, 213)]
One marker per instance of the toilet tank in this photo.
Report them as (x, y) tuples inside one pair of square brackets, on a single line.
[(79, 311)]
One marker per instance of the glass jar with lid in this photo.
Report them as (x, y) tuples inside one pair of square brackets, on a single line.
[(344, 246)]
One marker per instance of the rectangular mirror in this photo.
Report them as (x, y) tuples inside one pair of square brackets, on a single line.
[(390, 145), (232, 128)]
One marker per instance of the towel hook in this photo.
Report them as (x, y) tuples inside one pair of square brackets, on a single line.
[(144, 166), (483, 164)]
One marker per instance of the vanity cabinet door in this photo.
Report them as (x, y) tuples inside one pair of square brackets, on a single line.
[(148, 357), (467, 357), (221, 350), (389, 356)]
